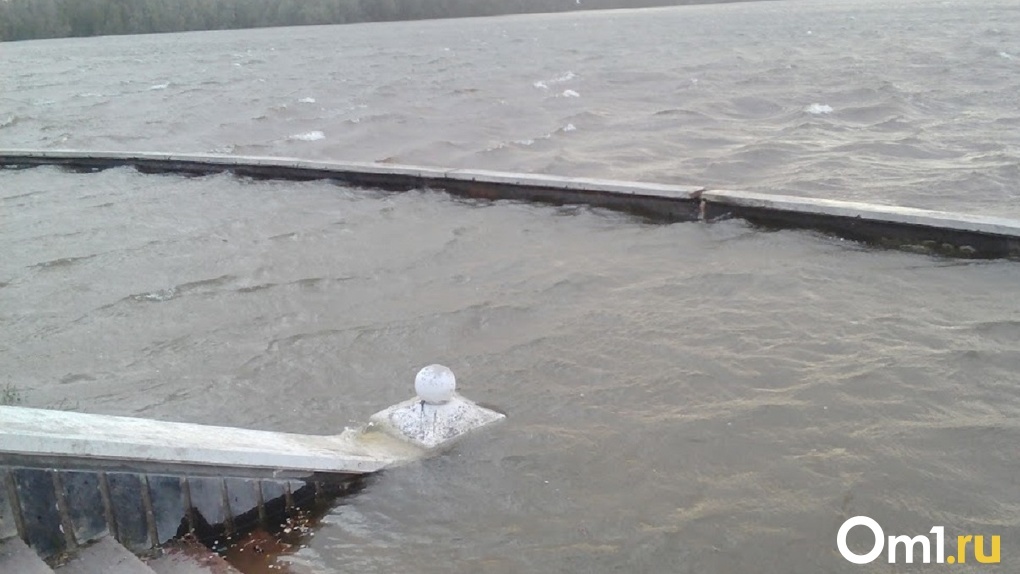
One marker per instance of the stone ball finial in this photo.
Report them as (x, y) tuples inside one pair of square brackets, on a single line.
[(435, 384)]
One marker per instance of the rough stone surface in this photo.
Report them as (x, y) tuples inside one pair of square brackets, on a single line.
[(17, 558), (433, 426), (104, 557)]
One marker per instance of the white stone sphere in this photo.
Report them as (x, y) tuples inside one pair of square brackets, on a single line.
[(435, 384)]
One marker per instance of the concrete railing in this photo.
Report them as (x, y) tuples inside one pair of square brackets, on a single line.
[(945, 233), (67, 479)]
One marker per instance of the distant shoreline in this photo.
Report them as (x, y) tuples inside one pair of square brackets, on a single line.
[(46, 19)]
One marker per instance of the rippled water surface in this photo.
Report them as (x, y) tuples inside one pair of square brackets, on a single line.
[(681, 398), (912, 102)]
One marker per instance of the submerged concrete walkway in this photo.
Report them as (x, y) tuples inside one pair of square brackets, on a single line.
[(920, 230)]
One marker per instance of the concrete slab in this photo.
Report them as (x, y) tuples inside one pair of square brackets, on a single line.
[(84, 503), (866, 211), (40, 513), (104, 557), (17, 558), (190, 558), (684, 192), (8, 521), (242, 497), (168, 508), (208, 500), (910, 229), (87, 440), (129, 510)]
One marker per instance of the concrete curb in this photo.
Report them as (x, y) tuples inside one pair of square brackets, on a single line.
[(919, 230)]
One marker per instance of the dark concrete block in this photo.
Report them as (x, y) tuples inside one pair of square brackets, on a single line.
[(84, 505), (241, 495), (207, 499), (8, 524), (39, 511), (129, 510), (168, 507), (272, 490)]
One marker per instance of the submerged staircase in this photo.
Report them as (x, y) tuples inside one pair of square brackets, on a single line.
[(107, 556), (97, 522), (97, 494)]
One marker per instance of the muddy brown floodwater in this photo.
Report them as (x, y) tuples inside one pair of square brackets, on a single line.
[(689, 398)]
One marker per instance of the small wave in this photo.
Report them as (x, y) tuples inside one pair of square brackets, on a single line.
[(62, 262), (307, 101), (8, 121), (571, 94), (569, 128), (156, 296), (544, 84), (256, 288), (159, 86), (1006, 55), (308, 137), (818, 109)]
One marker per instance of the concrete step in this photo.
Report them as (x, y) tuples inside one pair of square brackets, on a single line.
[(17, 558), (106, 556), (190, 558)]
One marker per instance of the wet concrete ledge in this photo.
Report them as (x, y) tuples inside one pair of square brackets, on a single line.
[(67, 440), (919, 230)]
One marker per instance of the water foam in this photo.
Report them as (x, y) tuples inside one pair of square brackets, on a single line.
[(544, 84), (307, 101), (159, 86), (571, 94), (308, 136), (818, 109)]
